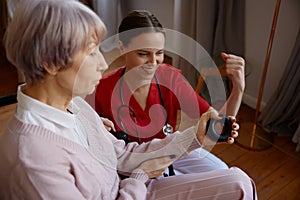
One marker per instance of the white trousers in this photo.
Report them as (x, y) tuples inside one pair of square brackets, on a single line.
[(223, 184), (199, 160), (201, 175)]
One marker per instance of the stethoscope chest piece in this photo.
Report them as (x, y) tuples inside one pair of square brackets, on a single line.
[(167, 129)]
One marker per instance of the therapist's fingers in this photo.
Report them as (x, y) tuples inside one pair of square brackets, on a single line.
[(109, 125)]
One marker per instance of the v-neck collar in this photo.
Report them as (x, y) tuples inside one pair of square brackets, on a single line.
[(152, 97)]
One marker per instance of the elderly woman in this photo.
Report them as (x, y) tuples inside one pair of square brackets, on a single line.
[(56, 146)]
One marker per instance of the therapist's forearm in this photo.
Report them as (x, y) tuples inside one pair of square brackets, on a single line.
[(233, 103)]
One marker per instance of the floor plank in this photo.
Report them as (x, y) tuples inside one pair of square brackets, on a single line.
[(232, 153), (274, 170), (277, 180), (288, 192), (252, 159)]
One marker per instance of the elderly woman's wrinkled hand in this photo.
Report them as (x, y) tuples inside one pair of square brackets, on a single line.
[(156, 166)]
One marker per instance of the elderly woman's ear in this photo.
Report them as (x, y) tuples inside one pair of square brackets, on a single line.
[(50, 70)]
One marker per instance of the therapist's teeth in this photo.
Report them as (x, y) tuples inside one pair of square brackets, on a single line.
[(149, 68)]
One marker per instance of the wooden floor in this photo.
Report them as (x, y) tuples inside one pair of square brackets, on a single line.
[(276, 170)]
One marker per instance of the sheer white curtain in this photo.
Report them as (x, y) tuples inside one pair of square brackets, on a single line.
[(282, 113), (110, 13), (194, 18), (296, 138)]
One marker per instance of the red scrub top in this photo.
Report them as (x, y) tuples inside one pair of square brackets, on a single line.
[(177, 94)]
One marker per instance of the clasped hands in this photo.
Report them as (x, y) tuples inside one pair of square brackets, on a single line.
[(202, 127), (156, 166)]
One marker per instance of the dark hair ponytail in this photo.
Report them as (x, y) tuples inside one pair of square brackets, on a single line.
[(136, 23)]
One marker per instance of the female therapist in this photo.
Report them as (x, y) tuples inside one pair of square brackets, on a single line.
[(143, 97)]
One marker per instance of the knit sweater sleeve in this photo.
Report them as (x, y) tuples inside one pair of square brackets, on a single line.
[(134, 187), (130, 156)]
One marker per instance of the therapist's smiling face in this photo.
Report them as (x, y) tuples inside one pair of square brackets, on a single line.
[(144, 53)]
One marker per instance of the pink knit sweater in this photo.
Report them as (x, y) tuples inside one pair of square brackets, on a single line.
[(36, 163)]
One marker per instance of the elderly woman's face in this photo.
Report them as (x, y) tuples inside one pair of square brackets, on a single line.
[(144, 53), (86, 71)]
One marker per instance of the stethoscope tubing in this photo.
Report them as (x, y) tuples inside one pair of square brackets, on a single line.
[(167, 129)]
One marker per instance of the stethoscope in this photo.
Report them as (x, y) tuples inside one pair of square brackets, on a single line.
[(167, 128)]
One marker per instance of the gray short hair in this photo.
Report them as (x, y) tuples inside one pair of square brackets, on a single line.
[(49, 32)]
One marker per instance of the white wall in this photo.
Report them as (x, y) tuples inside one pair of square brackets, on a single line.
[(258, 23), (259, 17)]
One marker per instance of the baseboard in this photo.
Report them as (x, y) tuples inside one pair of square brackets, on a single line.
[(252, 101), (7, 100)]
